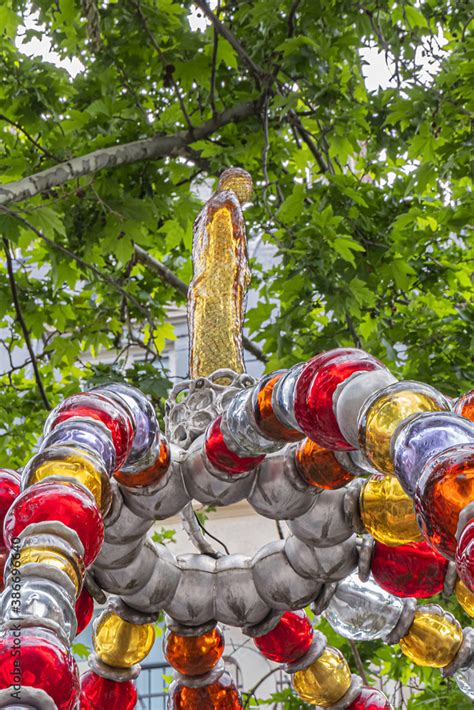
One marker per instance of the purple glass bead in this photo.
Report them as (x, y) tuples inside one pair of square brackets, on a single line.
[(421, 436), (86, 433), (144, 417)]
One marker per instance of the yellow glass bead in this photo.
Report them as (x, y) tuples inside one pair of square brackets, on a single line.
[(237, 180), (387, 511), (325, 681), (433, 639), (82, 470), (54, 558), (386, 410), (465, 597), (120, 643)]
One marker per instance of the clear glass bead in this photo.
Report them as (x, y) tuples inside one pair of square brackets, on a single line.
[(362, 611)]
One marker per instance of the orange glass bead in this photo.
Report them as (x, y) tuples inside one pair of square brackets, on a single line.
[(222, 695), (465, 406), (264, 415), (150, 475), (320, 467), (445, 487), (194, 655)]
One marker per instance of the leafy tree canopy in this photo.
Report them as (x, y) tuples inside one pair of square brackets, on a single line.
[(366, 194)]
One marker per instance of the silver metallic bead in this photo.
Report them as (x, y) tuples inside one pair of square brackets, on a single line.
[(464, 678), (240, 430), (355, 462), (277, 582), (40, 599), (362, 611), (325, 523), (193, 601), (283, 397), (405, 621), (236, 600), (121, 524), (318, 644), (201, 681), (365, 547), (206, 484), (280, 492), (119, 675), (116, 556), (325, 564), (350, 396), (159, 589), (31, 698), (160, 500), (465, 655), (129, 579)]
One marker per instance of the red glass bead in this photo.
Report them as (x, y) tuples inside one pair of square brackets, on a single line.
[(371, 699), (444, 488), (9, 490), (66, 502), (289, 640), (315, 414), (222, 457), (84, 610), (37, 659), (222, 695), (465, 406), (103, 694), (413, 570), (97, 406), (465, 555)]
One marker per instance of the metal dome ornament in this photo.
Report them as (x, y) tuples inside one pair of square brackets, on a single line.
[(358, 465)]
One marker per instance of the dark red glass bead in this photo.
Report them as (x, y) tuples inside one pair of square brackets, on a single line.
[(289, 640), (84, 610), (371, 699), (306, 375), (97, 406), (99, 693), (9, 490), (413, 570), (221, 695), (66, 502), (222, 457), (324, 429), (444, 488), (37, 659), (465, 555)]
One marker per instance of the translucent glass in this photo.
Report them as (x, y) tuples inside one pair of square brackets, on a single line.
[(362, 611)]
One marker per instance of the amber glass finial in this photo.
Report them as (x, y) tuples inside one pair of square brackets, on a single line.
[(221, 276)]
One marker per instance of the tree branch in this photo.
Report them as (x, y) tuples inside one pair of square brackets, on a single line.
[(306, 136), (85, 265), (170, 278), (232, 40), (125, 154), (30, 138), (138, 7), (23, 326)]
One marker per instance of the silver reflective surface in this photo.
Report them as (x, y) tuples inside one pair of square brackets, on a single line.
[(283, 397), (362, 611), (465, 680), (350, 396), (240, 424)]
